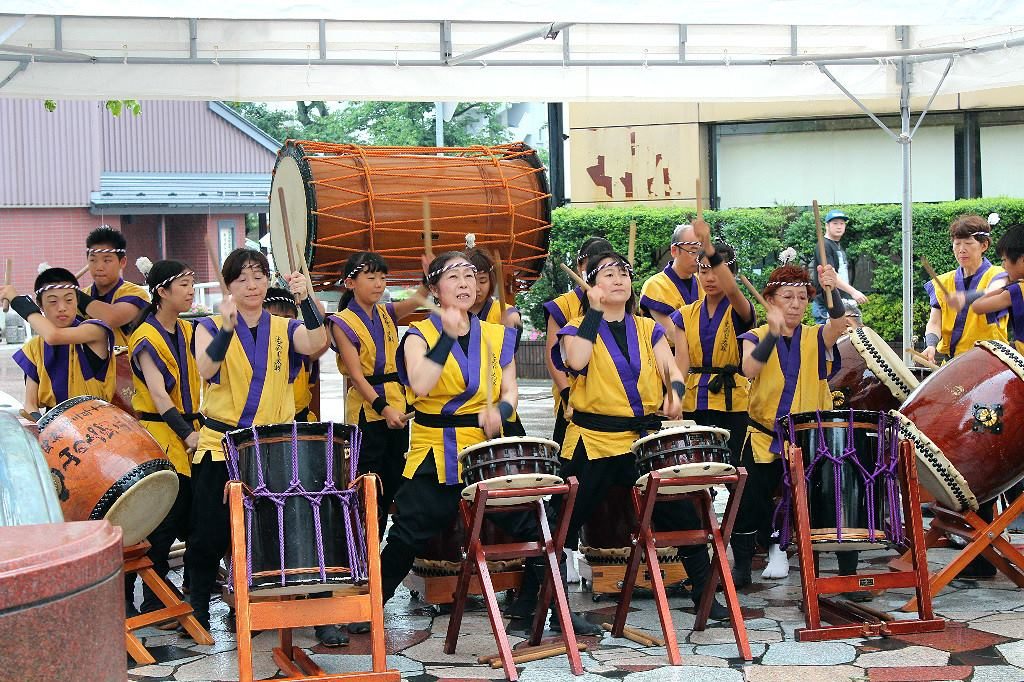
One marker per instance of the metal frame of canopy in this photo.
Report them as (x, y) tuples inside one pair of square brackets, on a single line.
[(191, 52)]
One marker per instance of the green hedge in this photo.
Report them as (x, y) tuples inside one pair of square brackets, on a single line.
[(760, 233)]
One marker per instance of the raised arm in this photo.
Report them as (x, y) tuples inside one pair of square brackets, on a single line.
[(311, 338)]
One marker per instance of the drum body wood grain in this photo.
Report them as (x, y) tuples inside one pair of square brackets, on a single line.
[(105, 465), (342, 199), (966, 422), (871, 375)]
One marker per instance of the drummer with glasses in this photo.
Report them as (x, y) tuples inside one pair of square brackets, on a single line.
[(677, 285), (788, 363), (624, 374), (953, 327), (707, 348)]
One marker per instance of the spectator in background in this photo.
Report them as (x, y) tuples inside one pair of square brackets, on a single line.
[(835, 227)]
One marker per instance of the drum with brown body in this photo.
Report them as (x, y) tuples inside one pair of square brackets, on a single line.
[(871, 375), (966, 422), (105, 465), (125, 385), (512, 462), (342, 199)]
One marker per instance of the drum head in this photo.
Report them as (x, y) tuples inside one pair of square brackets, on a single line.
[(512, 482), (687, 427), (510, 440), (143, 506), (288, 175), (883, 362), (685, 470), (935, 472)]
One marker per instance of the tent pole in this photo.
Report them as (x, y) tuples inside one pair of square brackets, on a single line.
[(907, 222)]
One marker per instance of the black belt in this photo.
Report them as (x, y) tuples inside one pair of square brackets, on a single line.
[(218, 426), (759, 426), (154, 417), (302, 415), (378, 379), (724, 379), (607, 423), (446, 421)]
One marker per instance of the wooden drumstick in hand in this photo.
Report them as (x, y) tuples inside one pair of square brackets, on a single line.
[(84, 269), (631, 250), (753, 291), (700, 202), (212, 255), (934, 275), (821, 249), (428, 236), (574, 277), (499, 274)]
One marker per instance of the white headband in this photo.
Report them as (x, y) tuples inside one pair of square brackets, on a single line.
[(183, 273), (89, 252), (451, 266), (50, 287), (616, 264)]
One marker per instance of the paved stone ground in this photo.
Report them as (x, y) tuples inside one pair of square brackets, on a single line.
[(983, 641)]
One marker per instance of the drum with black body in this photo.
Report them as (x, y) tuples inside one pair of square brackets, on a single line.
[(304, 524), (850, 465)]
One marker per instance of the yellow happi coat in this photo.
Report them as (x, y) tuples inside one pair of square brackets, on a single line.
[(64, 371), (712, 342), (460, 390), (376, 339), (960, 329)]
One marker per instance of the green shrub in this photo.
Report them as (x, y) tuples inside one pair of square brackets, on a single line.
[(758, 234)]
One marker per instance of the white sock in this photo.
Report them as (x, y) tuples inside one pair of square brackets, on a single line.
[(778, 563), (572, 574)]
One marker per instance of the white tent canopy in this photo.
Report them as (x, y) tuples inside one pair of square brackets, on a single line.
[(530, 50), (523, 51)]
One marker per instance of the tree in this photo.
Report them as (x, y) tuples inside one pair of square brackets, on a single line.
[(278, 123)]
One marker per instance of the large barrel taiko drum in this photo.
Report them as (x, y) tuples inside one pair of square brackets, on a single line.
[(105, 465), (966, 424), (342, 199), (871, 375)]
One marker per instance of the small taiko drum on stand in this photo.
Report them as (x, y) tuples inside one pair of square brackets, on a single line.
[(105, 465), (683, 449), (850, 464), (343, 198), (305, 525), (871, 375), (509, 463), (966, 423)]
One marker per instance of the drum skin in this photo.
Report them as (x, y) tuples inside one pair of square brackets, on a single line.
[(951, 408), (302, 565), (342, 199), (104, 464), (508, 457), (822, 483)]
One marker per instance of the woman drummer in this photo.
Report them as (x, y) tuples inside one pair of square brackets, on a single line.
[(364, 332), (557, 313), (953, 326), (250, 359), (166, 400), (707, 349), (69, 356), (280, 302), (489, 309), (623, 374), (788, 363)]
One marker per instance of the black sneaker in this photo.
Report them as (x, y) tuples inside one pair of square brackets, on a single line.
[(580, 625), (360, 627), (330, 635)]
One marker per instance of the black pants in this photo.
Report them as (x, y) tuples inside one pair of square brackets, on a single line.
[(210, 534), (597, 476), (175, 526), (758, 502), (734, 422), (382, 452)]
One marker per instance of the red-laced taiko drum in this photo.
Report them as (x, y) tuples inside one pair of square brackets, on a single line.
[(343, 198), (966, 423)]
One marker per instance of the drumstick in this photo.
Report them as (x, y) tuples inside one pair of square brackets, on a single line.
[(490, 373), (657, 640), (428, 237), (212, 255), (302, 267), (499, 273), (576, 278), (531, 654), (429, 305), (78, 275), (8, 266), (935, 277), (921, 359), (631, 250), (287, 227), (753, 290), (518, 653), (700, 202), (25, 415), (630, 634), (821, 248)]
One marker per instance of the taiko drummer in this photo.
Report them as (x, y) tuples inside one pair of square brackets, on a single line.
[(111, 298), (707, 349), (624, 373), (250, 359), (788, 363), (166, 400), (69, 356)]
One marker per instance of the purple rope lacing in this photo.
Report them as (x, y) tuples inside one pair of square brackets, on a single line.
[(886, 465), (355, 535)]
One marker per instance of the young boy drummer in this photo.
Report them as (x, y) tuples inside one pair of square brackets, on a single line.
[(707, 348), (111, 299), (69, 356)]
